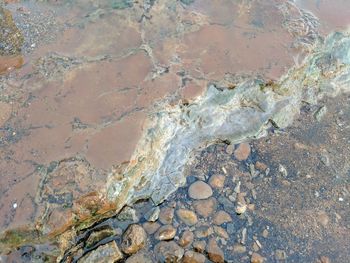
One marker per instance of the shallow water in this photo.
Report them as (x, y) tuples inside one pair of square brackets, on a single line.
[(106, 101)]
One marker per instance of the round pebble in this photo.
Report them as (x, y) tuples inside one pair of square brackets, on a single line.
[(200, 190)]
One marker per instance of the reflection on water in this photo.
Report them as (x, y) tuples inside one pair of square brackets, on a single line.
[(80, 80)]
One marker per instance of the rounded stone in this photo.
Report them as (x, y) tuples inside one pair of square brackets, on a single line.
[(104, 254), (168, 251), (186, 238), (242, 152), (166, 215), (221, 232), (256, 258), (217, 181), (200, 190), (221, 217), (187, 216), (133, 239), (166, 232), (199, 246), (139, 257), (215, 253), (151, 227), (205, 207), (193, 257)]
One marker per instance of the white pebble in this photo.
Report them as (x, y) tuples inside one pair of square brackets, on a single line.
[(14, 205)]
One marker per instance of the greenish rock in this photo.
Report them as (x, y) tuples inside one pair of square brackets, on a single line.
[(187, 2), (221, 113), (122, 4), (97, 236), (107, 253)]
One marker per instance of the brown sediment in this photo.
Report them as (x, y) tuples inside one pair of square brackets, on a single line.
[(9, 63), (87, 94), (333, 15)]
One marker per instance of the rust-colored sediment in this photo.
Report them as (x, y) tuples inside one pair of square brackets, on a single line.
[(86, 94)]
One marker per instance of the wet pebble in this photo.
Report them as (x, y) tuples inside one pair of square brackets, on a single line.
[(200, 190), (256, 258), (166, 232), (151, 227), (105, 254), (217, 181), (187, 216), (186, 238), (199, 246), (215, 253), (239, 249), (166, 215), (280, 254), (203, 231), (241, 208), (242, 152), (221, 217), (205, 207), (139, 257), (168, 251), (193, 257), (221, 232), (133, 239), (323, 259), (152, 215), (230, 149), (260, 166), (265, 233)]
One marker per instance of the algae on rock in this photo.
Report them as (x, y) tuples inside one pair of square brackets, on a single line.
[(11, 39)]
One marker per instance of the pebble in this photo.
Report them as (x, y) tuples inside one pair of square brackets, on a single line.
[(193, 257), (221, 232), (221, 217), (97, 236), (205, 207), (323, 218), (217, 181), (133, 239), (151, 227), (166, 232), (242, 152), (186, 238), (241, 209), (280, 254), (168, 251), (265, 233), (200, 190), (230, 149), (187, 216), (152, 215), (166, 215), (103, 254), (256, 258), (203, 231), (260, 166), (215, 253), (228, 205), (199, 246), (139, 257), (240, 249), (324, 259)]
